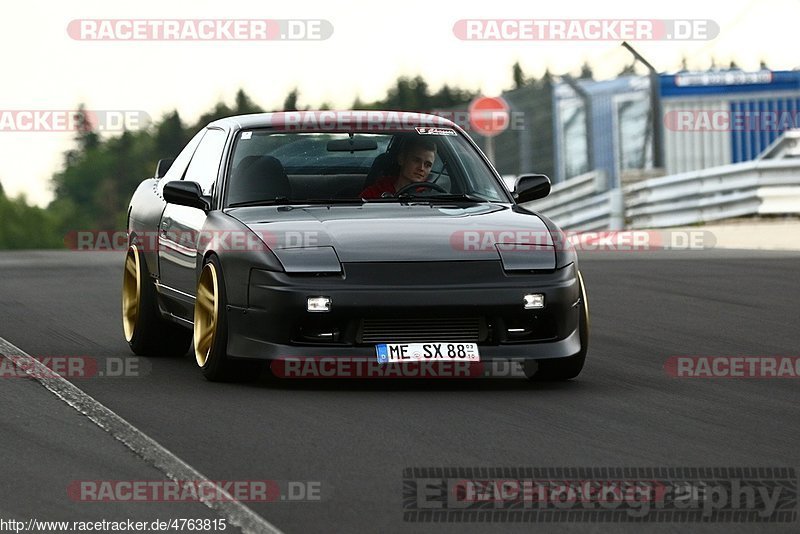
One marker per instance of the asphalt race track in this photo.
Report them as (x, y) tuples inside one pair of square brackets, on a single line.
[(354, 438)]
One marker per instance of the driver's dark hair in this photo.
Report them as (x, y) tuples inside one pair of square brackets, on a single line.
[(411, 143)]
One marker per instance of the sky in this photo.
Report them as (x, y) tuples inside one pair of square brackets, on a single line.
[(371, 45)]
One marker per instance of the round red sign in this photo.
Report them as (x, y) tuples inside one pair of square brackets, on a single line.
[(489, 116)]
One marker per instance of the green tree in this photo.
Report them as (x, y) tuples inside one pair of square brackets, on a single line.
[(220, 110), (25, 226), (171, 135), (413, 94), (244, 105), (100, 173), (518, 75), (290, 103), (86, 134)]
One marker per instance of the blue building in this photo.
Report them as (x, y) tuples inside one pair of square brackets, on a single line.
[(707, 119), (722, 117)]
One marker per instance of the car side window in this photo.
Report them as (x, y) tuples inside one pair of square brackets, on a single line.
[(204, 166), (178, 166)]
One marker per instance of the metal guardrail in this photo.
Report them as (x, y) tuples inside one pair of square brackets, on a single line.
[(757, 187), (583, 203)]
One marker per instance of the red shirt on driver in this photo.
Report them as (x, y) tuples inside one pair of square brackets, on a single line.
[(383, 185)]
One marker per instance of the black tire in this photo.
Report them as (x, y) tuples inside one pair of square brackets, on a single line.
[(558, 369), (147, 333), (211, 354)]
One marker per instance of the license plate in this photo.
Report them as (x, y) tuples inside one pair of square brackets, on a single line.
[(424, 352)]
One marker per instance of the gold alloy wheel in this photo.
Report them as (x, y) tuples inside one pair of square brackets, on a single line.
[(206, 314), (131, 292)]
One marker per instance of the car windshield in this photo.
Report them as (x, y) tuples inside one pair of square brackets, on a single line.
[(423, 164)]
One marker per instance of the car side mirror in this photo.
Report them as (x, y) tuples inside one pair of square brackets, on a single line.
[(186, 194), (531, 187), (163, 166)]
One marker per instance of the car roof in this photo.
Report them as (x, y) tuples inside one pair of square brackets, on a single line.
[(339, 119)]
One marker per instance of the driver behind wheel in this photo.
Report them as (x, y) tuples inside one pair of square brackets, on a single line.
[(414, 163)]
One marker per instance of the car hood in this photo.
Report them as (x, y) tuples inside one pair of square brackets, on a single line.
[(378, 232)]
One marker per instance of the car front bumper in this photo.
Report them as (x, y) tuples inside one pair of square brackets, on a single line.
[(408, 302)]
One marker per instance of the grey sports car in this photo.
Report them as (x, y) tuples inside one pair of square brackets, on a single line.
[(376, 236)]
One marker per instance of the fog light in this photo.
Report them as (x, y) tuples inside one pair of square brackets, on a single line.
[(534, 301), (319, 304)]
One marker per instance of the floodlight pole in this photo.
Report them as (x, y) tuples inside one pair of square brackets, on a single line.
[(655, 108), (587, 106)]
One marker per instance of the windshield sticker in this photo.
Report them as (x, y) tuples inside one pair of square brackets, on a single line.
[(247, 135), (424, 130)]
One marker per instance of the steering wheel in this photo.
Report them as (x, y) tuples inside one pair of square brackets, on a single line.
[(430, 185)]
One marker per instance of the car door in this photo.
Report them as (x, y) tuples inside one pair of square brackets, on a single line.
[(180, 227)]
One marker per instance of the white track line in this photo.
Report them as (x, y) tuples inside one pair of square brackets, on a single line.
[(140, 443)]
